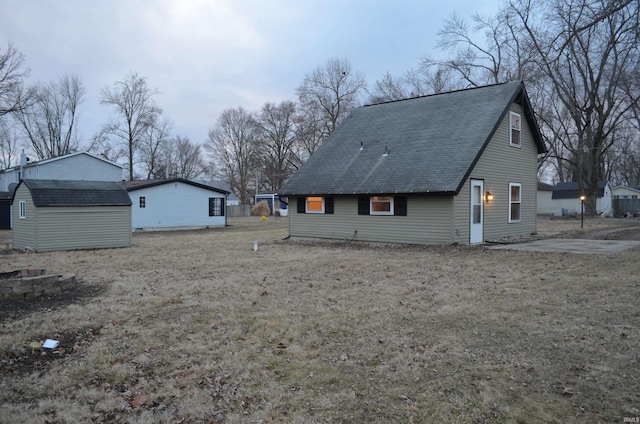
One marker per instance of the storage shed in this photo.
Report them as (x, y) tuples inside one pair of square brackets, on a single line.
[(69, 215)]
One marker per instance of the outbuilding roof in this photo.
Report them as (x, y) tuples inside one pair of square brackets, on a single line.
[(51, 193), (137, 185), (425, 145), (573, 190)]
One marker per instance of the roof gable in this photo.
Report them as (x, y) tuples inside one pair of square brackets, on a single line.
[(137, 185), (51, 193), (431, 144)]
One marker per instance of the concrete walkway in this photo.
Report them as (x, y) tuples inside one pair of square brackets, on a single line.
[(559, 245)]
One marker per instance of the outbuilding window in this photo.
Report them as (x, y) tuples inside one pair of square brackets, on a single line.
[(22, 209), (216, 206), (143, 202), (515, 126), (515, 202)]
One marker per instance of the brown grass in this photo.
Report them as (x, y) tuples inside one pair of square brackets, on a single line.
[(195, 326)]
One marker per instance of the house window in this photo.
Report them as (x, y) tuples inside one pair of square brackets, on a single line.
[(22, 206), (381, 205), (216, 206), (515, 127), (143, 202), (315, 205), (515, 202)]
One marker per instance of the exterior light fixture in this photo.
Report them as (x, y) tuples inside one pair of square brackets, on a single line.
[(582, 199), (488, 196)]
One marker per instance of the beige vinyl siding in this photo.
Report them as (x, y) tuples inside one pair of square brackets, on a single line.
[(70, 228), (428, 221), (23, 230), (499, 165)]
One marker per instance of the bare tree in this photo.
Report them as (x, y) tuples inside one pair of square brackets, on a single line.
[(8, 144), (184, 159), (154, 144), (49, 123), (136, 112), (233, 146), (276, 126), (334, 90), (586, 63), (12, 74)]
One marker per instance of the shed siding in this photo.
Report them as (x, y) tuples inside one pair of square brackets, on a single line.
[(499, 165), (24, 230), (69, 228), (428, 221), (174, 205)]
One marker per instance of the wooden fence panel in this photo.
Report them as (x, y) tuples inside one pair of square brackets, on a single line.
[(237, 211)]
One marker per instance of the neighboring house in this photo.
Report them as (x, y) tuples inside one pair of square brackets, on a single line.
[(176, 202), (80, 166), (545, 202), (626, 200), (232, 199), (626, 192), (69, 215), (446, 168), (566, 197)]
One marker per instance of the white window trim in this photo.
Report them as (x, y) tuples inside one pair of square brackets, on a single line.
[(511, 201), (306, 205), (511, 143), (372, 212), (22, 209)]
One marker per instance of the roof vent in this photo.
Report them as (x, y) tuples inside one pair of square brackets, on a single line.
[(386, 151), (362, 145)]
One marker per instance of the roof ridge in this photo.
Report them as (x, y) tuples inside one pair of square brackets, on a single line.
[(441, 94)]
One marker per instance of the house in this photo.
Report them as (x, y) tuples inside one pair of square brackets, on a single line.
[(459, 167), (546, 205), (69, 215), (566, 197), (176, 202), (626, 200), (79, 166)]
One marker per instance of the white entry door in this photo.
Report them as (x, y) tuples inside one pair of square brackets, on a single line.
[(477, 212)]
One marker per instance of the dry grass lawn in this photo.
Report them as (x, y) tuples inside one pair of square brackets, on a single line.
[(196, 327)]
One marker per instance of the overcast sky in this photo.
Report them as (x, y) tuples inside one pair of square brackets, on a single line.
[(210, 55)]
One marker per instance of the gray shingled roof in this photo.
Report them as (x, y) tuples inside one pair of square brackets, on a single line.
[(47, 193), (432, 142), (140, 184)]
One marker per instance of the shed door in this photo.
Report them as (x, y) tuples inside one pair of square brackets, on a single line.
[(477, 212)]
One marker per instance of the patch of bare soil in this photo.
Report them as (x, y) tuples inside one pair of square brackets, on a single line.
[(195, 326)]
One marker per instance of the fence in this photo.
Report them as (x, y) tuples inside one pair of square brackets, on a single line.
[(238, 211), (622, 207)]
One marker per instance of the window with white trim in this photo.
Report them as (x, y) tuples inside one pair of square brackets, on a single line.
[(515, 202), (381, 205), (22, 209), (315, 204), (514, 129)]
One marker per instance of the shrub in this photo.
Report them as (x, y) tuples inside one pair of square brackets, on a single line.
[(261, 208)]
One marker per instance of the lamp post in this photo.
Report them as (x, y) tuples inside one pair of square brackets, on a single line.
[(582, 199)]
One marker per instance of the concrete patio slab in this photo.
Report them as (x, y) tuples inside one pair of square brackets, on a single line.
[(583, 246)]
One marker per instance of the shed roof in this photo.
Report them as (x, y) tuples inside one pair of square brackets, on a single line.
[(573, 190), (137, 185), (432, 144), (51, 193)]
